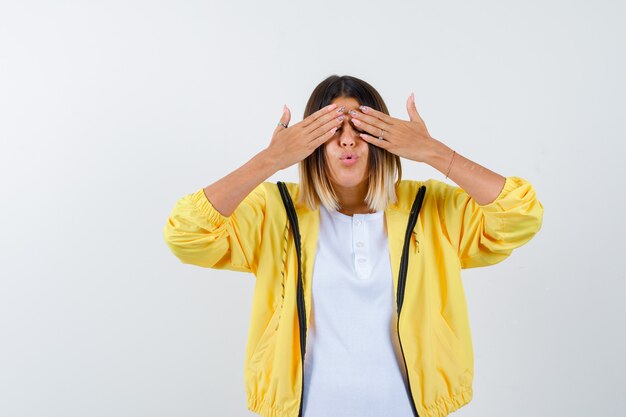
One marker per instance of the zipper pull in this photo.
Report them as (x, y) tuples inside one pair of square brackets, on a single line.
[(417, 242)]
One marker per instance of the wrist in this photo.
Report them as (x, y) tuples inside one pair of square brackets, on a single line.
[(270, 160), (438, 155)]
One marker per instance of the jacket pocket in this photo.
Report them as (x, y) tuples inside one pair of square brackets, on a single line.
[(447, 349), (267, 343), (452, 363)]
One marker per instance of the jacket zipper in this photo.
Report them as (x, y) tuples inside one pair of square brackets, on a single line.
[(404, 262), (293, 219)]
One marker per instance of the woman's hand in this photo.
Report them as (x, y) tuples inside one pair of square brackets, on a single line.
[(408, 139), (292, 144)]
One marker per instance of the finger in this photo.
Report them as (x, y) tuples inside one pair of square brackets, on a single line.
[(326, 136), (374, 140), (330, 120), (286, 115), (414, 116), (284, 118), (369, 124), (371, 118), (320, 113), (375, 131), (385, 118), (325, 122)]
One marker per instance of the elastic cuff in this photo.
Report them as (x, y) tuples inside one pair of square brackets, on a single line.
[(510, 184), (206, 208)]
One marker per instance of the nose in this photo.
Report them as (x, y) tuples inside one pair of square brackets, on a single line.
[(348, 135)]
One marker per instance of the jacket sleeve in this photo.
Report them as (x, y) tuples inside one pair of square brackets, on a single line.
[(200, 235), (485, 235)]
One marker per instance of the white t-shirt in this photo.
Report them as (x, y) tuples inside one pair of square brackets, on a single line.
[(353, 363)]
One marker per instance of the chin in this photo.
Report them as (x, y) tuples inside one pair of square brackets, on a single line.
[(349, 180)]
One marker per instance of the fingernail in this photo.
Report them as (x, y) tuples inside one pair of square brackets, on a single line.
[(341, 109), (412, 96), (363, 109)]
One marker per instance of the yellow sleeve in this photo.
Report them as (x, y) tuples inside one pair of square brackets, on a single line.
[(198, 234), (485, 235)]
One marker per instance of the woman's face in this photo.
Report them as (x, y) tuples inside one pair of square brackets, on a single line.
[(347, 154)]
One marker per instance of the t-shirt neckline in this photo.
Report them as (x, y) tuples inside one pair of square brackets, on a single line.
[(356, 216)]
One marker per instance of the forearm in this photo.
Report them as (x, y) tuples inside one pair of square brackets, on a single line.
[(482, 184), (228, 192)]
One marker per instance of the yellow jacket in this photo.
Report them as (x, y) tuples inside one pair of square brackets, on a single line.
[(452, 232)]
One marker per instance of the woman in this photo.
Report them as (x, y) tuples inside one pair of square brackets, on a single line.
[(359, 331)]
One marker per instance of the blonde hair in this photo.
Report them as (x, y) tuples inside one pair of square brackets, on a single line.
[(315, 186)]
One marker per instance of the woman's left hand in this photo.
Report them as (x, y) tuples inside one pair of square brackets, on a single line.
[(407, 139)]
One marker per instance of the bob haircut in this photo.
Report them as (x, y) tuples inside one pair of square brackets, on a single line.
[(315, 184)]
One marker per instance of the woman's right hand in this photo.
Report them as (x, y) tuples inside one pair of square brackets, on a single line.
[(294, 143)]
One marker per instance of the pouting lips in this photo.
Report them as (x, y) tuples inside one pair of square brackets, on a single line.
[(349, 160)]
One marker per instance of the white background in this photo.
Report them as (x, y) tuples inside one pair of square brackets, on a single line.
[(111, 111)]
